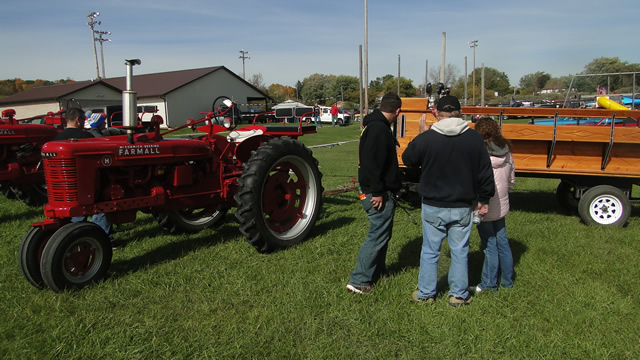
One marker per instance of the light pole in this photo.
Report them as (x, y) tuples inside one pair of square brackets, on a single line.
[(92, 22), (101, 40), (473, 44), (243, 56)]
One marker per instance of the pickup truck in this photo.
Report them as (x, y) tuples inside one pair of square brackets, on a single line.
[(344, 118)]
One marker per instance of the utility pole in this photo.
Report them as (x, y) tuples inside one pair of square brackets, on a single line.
[(243, 56), (366, 61), (92, 22), (473, 44), (444, 54), (398, 74), (101, 40), (426, 77)]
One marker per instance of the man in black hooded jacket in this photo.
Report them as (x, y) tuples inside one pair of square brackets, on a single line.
[(379, 180)]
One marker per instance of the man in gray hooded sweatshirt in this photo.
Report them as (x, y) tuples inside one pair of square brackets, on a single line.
[(456, 179)]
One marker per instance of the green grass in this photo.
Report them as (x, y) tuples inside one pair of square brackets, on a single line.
[(211, 295)]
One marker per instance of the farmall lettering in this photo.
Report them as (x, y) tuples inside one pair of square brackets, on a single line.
[(137, 150), (7, 132)]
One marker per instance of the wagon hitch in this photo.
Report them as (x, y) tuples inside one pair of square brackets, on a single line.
[(398, 198)]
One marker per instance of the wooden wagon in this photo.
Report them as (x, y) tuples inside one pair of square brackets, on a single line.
[(597, 165)]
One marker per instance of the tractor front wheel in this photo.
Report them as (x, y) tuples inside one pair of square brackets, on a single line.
[(30, 254), (279, 195), (190, 220), (76, 255)]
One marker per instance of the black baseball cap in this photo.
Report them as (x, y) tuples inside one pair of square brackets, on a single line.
[(448, 103)]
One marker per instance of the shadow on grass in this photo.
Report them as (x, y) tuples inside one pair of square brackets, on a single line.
[(27, 213), (174, 250), (409, 258), (340, 198), (534, 201), (476, 259)]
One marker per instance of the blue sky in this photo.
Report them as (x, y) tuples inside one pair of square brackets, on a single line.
[(289, 40)]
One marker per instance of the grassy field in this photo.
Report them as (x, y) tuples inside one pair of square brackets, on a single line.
[(211, 295)]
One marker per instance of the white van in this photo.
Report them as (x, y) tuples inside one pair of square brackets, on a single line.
[(325, 116)]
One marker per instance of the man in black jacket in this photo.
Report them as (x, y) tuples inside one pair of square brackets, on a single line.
[(379, 180), (456, 179)]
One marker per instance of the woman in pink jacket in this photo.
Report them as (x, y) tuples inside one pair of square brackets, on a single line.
[(492, 230)]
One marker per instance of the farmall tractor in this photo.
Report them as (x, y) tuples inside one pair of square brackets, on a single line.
[(21, 170), (188, 184)]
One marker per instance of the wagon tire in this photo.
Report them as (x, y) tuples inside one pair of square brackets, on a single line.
[(604, 205), (76, 255), (30, 254), (190, 220), (565, 194), (279, 195)]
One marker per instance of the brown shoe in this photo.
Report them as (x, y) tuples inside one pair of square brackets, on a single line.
[(429, 301), (458, 301)]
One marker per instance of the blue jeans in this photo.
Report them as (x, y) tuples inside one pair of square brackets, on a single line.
[(100, 220), (316, 120), (497, 255), (455, 225), (373, 252)]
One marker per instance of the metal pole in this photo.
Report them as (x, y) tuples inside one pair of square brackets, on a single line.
[(366, 59), (360, 82), (473, 44), (444, 52), (426, 77), (466, 80), (398, 74), (482, 88), (92, 22), (102, 40)]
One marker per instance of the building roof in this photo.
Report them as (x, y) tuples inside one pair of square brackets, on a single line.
[(146, 85)]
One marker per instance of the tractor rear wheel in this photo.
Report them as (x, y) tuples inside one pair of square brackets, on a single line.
[(30, 254), (189, 220), (279, 195), (76, 255)]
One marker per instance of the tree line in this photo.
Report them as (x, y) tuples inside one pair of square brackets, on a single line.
[(328, 89), (13, 86)]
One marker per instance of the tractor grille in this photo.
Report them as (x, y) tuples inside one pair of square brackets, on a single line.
[(62, 180)]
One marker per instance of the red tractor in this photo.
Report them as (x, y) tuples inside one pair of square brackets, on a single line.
[(188, 184), (21, 170)]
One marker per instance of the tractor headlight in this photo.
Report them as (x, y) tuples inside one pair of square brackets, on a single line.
[(226, 122)]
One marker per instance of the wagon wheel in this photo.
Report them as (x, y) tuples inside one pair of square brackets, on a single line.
[(565, 194), (76, 255), (604, 205), (279, 195), (30, 254), (190, 220)]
